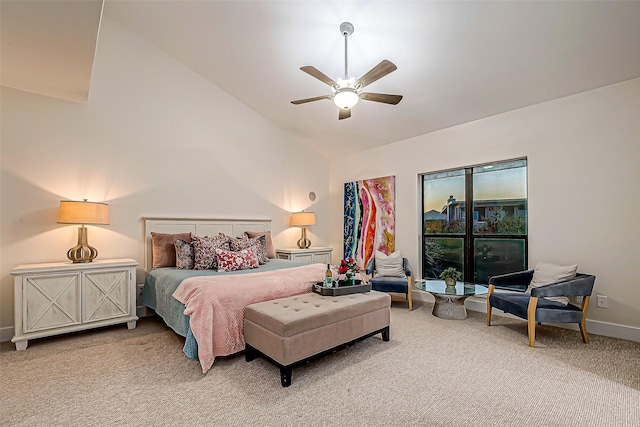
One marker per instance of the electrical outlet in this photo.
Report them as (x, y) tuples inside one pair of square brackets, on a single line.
[(602, 301)]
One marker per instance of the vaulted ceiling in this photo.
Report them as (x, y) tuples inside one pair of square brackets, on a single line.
[(457, 61), (47, 47)]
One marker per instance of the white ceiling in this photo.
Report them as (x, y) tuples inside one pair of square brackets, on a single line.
[(457, 61)]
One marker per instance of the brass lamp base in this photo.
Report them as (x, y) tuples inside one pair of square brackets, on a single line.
[(82, 252), (304, 243)]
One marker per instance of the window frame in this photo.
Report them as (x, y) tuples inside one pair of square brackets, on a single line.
[(469, 236)]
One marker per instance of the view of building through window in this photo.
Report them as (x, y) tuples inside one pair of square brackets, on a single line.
[(494, 241)]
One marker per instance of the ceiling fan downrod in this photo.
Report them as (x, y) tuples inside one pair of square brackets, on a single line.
[(345, 94), (346, 28)]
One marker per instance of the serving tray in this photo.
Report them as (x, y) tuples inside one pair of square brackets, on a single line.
[(341, 290)]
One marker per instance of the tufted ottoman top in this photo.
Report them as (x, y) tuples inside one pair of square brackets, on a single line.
[(294, 315)]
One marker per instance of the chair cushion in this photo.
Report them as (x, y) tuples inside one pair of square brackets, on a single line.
[(389, 284), (546, 273), (546, 310), (389, 265)]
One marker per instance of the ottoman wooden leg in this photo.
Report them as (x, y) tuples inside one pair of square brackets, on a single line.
[(385, 334), (250, 353), (285, 376)]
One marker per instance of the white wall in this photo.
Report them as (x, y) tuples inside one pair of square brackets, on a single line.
[(155, 139), (583, 182)]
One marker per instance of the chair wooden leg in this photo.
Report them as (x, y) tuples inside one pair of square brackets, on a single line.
[(409, 294), (583, 331), (531, 320), (583, 323), (491, 289)]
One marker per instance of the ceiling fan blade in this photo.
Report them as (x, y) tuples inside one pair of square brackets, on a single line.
[(344, 114), (381, 97), (317, 98), (314, 72), (382, 69)]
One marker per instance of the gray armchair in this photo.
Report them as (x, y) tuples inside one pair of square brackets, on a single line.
[(537, 309), (399, 285)]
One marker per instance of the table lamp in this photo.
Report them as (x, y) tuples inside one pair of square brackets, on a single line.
[(302, 220), (83, 213)]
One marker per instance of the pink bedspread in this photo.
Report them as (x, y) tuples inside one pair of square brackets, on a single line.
[(216, 304)]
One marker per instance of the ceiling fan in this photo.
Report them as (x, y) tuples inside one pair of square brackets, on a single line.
[(347, 91)]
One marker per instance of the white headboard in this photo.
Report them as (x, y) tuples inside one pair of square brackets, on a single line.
[(199, 227)]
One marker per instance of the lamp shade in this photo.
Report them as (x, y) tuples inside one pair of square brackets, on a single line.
[(302, 219), (93, 213)]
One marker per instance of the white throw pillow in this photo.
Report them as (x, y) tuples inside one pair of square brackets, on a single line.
[(389, 265), (546, 273)]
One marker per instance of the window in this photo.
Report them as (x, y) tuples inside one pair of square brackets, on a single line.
[(475, 220)]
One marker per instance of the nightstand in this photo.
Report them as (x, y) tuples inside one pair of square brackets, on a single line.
[(56, 298), (321, 255)]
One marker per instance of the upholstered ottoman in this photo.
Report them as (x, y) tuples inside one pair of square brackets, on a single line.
[(289, 331)]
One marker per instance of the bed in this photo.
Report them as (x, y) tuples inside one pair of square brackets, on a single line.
[(206, 307)]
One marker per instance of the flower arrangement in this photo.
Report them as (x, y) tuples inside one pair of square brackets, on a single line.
[(348, 268), (450, 275)]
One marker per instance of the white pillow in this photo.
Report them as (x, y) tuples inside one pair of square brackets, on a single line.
[(389, 265), (546, 272)]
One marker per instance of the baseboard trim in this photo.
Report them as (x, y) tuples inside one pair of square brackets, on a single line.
[(595, 327), (142, 311), (7, 333)]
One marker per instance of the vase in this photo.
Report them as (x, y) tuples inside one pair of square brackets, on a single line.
[(450, 281)]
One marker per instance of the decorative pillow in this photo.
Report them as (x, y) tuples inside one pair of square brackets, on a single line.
[(259, 243), (241, 260), (204, 250), (546, 273), (389, 265), (230, 239), (233, 242), (163, 249), (184, 254), (271, 251)]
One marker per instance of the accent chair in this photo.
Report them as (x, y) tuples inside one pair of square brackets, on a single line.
[(535, 307), (401, 285)]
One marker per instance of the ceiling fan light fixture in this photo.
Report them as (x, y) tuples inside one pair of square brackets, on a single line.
[(346, 91), (345, 98)]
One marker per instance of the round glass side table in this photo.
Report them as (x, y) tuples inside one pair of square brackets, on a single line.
[(450, 299)]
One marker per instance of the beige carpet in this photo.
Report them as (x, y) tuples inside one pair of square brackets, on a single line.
[(433, 372)]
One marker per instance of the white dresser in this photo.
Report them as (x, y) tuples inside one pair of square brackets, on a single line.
[(321, 255), (56, 298)]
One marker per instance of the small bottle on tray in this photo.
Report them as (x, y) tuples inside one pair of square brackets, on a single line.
[(328, 277)]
